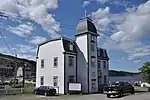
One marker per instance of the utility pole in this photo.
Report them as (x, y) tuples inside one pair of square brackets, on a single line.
[(15, 70), (24, 67)]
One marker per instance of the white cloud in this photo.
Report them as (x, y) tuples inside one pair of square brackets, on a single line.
[(27, 56), (24, 49), (37, 39), (100, 13), (102, 1), (86, 3), (138, 52), (4, 50), (22, 30), (36, 10), (127, 29)]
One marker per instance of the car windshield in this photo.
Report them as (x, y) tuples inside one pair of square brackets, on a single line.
[(115, 84)]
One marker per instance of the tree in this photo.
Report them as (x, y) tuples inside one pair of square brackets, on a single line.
[(145, 71)]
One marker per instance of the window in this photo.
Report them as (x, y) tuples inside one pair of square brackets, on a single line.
[(93, 74), (99, 79), (55, 80), (42, 80), (98, 53), (105, 79), (99, 64), (93, 61), (104, 53), (93, 83), (55, 61), (71, 79), (92, 38), (99, 73), (93, 46), (71, 46), (42, 63), (70, 63), (104, 64)]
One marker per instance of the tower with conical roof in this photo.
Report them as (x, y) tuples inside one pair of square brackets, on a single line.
[(86, 39)]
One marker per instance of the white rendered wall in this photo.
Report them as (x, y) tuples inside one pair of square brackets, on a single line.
[(47, 52)]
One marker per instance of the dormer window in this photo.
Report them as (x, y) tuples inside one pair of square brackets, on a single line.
[(71, 46), (104, 53)]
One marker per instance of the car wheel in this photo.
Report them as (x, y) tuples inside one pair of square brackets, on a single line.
[(120, 94), (46, 94), (108, 96), (149, 89), (35, 92), (132, 92)]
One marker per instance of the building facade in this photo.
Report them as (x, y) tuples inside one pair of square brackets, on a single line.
[(61, 61)]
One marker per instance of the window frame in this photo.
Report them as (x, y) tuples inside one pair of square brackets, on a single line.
[(93, 74), (41, 80), (42, 63), (92, 46), (71, 46), (70, 58), (71, 78), (55, 63), (92, 38), (98, 53), (105, 79), (104, 54), (99, 65), (55, 81), (93, 83), (104, 64), (93, 64)]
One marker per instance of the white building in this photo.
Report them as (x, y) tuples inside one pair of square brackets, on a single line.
[(61, 61)]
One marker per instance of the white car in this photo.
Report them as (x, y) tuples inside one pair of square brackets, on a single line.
[(145, 84)]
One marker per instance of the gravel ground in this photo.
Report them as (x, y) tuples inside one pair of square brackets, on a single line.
[(137, 96)]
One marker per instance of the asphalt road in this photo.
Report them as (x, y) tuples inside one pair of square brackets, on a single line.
[(137, 96)]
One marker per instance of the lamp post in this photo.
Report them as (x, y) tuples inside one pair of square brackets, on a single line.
[(24, 67)]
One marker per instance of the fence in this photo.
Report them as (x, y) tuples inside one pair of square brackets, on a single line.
[(13, 91)]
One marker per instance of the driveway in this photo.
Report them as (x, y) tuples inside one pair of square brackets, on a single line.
[(137, 96)]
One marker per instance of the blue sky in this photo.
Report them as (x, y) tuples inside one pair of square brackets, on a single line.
[(123, 26)]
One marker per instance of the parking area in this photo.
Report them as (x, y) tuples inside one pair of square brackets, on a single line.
[(136, 96)]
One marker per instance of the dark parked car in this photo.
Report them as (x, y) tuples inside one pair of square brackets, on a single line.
[(119, 89), (45, 90)]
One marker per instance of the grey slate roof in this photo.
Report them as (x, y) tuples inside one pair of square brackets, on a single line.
[(85, 25), (66, 44), (102, 54)]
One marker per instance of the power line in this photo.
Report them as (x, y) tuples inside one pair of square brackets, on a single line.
[(6, 43), (70, 27)]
